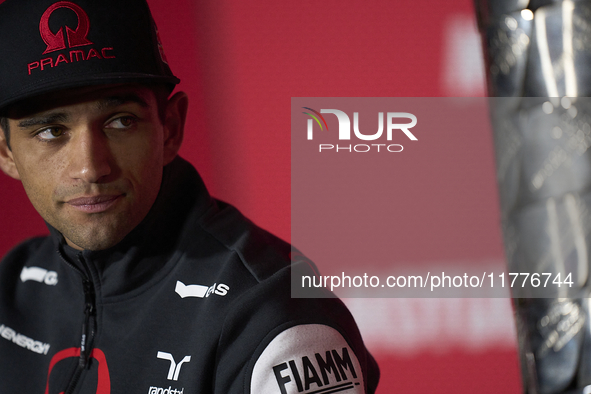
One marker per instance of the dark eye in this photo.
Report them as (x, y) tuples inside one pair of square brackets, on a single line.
[(123, 122), (50, 133)]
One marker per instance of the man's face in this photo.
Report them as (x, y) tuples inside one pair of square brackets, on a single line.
[(91, 160)]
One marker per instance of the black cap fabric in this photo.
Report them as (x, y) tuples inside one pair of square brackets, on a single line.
[(48, 45)]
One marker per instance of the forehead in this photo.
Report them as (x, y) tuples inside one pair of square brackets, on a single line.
[(101, 96)]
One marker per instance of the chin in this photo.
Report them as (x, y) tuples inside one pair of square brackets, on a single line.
[(94, 244), (95, 240)]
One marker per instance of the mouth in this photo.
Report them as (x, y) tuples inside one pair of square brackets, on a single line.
[(94, 204)]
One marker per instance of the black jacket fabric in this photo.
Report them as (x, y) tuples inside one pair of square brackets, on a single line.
[(196, 299)]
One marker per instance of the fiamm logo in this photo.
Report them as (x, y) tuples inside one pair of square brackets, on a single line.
[(332, 371), (345, 130)]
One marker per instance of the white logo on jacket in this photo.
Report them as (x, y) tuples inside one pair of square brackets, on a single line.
[(200, 291), (40, 275), (23, 341), (175, 369)]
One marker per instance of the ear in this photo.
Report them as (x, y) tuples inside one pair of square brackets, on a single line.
[(174, 125), (6, 159)]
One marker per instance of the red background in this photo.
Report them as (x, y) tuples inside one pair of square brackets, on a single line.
[(241, 62)]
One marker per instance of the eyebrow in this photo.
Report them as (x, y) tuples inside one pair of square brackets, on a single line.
[(44, 119), (105, 103)]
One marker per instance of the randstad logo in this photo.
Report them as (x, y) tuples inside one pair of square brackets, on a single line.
[(393, 125), (75, 38)]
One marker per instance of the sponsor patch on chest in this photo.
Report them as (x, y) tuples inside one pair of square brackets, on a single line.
[(40, 275), (200, 291), (23, 341)]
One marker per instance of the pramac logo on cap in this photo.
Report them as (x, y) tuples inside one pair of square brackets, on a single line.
[(76, 38)]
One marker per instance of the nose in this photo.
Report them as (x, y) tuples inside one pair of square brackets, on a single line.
[(90, 155)]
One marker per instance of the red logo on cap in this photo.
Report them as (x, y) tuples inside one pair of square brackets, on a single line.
[(160, 47), (76, 38)]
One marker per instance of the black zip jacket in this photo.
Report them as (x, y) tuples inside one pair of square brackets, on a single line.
[(196, 299)]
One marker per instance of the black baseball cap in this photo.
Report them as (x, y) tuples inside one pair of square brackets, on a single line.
[(48, 45)]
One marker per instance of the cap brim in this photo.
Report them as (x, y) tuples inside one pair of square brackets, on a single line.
[(105, 79)]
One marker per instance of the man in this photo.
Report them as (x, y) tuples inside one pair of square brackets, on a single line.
[(146, 283)]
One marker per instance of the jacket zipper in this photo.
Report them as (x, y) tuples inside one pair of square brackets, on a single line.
[(88, 326)]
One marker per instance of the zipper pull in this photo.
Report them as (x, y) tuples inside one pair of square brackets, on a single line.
[(88, 325)]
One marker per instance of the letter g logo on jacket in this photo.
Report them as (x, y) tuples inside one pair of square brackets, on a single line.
[(40, 275)]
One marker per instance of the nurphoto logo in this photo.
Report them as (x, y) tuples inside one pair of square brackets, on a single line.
[(395, 122)]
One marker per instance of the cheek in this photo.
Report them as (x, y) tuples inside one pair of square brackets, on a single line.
[(39, 177), (144, 155), (34, 167), (142, 163)]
